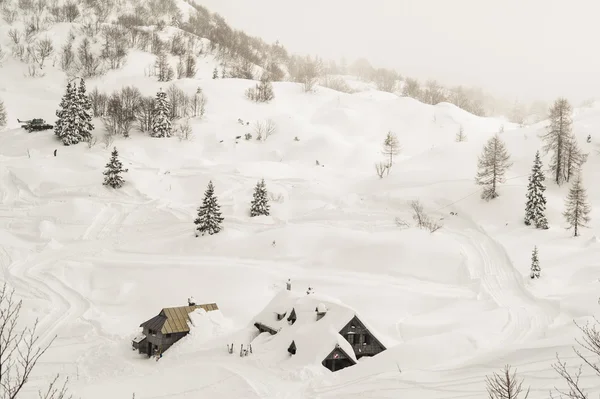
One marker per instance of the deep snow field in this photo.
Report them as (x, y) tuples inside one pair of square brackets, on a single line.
[(93, 263)]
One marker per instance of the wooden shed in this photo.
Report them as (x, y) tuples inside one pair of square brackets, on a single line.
[(166, 328)]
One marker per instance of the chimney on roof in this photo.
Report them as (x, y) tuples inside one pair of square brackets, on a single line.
[(321, 311), (191, 301)]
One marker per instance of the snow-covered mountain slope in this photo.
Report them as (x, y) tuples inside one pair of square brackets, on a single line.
[(93, 263)]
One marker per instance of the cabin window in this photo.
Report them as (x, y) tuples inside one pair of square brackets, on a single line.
[(168, 336), (350, 338), (366, 339), (152, 332)]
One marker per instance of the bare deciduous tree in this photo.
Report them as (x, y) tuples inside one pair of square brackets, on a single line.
[(492, 166), (184, 130), (577, 207), (43, 49), (20, 351), (505, 385), (558, 137)]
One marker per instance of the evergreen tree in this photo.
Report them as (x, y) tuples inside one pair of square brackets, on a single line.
[(2, 114), (260, 202), (492, 165), (215, 73), (66, 127), (161, 122), (83, 109), (114, 168), (460, 135), (391, 147), (535, 207), (535, 264), (209, 218), (577, 208), (558, 137)]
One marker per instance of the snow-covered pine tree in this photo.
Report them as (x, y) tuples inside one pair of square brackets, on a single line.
[(535, 208), (2, 114), (209, 218), (83, 109), (492, 165), (114, 169), (535, 264), (578, 209), (260, 202), (161, 123), (215, 73), (66, 127)]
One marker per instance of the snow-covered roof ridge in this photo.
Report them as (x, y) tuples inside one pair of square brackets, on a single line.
[(293, 317)]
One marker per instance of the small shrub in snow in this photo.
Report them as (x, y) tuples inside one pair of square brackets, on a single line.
[(215, 74), (260, 201), (209, 218), (248, 136), (262, 92), (381, 168), (535, 208), (161, 123), (265, 129), (422, 219), (337, 84), (114, 169), (535, 264)]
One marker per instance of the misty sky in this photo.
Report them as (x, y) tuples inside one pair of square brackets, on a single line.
[(518, 48)]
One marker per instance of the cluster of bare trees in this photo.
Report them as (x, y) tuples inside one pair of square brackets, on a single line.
[(127, 107)]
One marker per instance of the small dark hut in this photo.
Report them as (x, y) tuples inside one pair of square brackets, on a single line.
[(169, 326), (338, 359)]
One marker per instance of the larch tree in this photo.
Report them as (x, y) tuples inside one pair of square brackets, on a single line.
[(114, 170), (535, 264), (161, 122), (577, 208), (260, 201), (209, 218), (391, 147), (505, 385), (535, 207), (3, 117), (573, 160), (492, 166), (558, 137)]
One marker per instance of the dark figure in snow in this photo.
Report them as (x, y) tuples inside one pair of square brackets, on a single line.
[(191, 301), (288, 285), (589, 138), (309, 291), (55, 152), (273, 243)]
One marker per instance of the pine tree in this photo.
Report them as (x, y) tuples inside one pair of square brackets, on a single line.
[(535, 207), (2, 114), (535, 264), (558, 137), (577, 208), (209, 218), (66, 127), (492, 165), (83, 109), (114, 168), (260, 202), (391, 147), (215, 73), (161, 123)]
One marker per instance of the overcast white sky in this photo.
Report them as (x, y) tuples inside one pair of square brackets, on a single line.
[(531, 49)]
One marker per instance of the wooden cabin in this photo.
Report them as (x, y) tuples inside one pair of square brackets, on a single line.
[(169, 326)]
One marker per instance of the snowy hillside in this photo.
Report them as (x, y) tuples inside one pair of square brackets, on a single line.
[(92, 263)]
